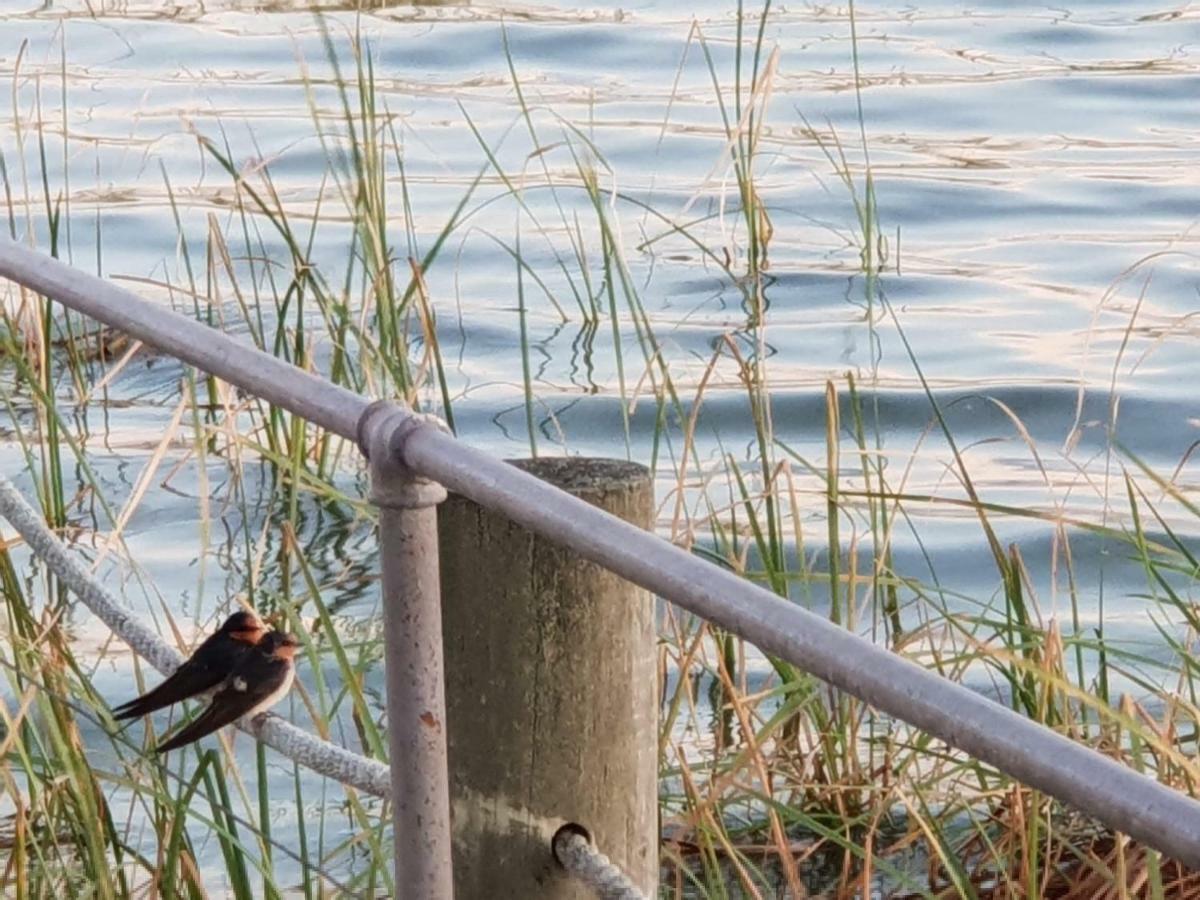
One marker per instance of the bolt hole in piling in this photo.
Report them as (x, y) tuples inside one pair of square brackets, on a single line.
[(562, 839)]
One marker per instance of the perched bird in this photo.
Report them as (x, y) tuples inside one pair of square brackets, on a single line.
[(260, 680), (215, 658)]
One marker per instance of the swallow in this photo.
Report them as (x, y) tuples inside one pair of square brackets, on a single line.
[(203, 670), (258, 682)]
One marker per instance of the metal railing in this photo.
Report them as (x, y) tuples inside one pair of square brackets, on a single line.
[(410, 459)]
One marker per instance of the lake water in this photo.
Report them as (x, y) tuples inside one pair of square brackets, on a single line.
[(1035, 173)]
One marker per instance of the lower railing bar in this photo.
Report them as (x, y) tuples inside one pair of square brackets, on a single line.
[(326, 759), (1031, 753)]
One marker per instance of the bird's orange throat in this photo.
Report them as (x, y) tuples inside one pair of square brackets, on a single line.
[(285, 651)]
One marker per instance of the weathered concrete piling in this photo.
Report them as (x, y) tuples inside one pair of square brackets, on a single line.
[(551, 698)]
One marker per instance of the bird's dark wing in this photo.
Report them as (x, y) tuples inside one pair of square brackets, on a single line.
[(238, 695), (202, 672), (187, 681)]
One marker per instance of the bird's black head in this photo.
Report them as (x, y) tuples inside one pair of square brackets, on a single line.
[(244, 626), (278, 644)]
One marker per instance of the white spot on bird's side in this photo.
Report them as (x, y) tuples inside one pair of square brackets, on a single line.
[(239, 684)]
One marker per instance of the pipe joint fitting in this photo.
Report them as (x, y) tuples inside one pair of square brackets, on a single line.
[(383, 430)]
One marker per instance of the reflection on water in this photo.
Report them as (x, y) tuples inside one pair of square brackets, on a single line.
[(1034, 170)]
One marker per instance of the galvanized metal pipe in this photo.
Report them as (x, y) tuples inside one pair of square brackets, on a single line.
[(1102, 787), (412, 622), (1116, 795), (238, 362)]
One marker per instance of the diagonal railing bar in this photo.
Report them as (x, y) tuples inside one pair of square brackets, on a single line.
[(1116, 795), (274, 380)]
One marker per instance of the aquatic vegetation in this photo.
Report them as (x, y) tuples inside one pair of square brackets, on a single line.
[(769, 778)]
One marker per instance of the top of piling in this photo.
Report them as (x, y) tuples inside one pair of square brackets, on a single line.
[(586, 474)]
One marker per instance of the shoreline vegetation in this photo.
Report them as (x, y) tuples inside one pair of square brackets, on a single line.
[(770, 781)]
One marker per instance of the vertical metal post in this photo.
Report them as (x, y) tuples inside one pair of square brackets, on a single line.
[(412, 618)]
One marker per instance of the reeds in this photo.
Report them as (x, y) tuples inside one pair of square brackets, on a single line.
[(770, 779)]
